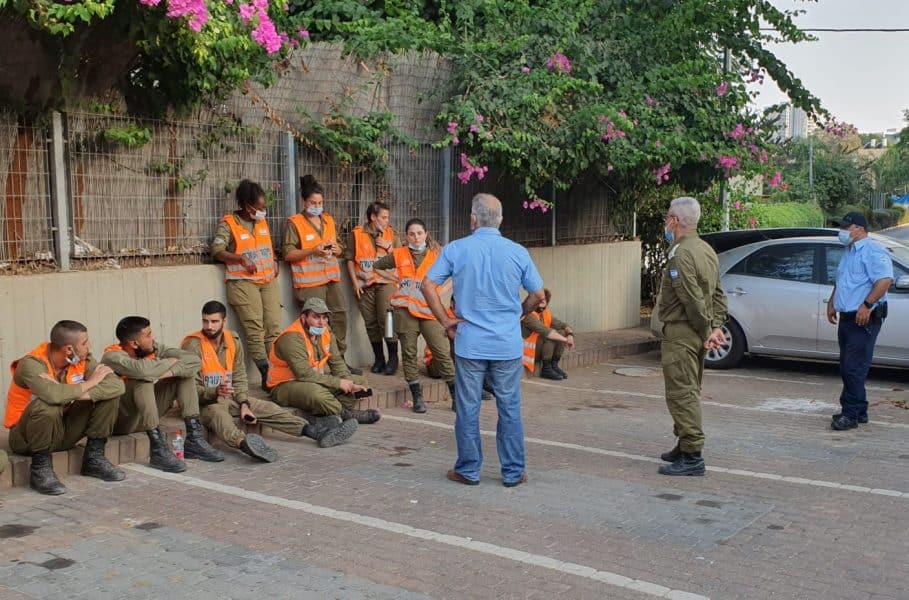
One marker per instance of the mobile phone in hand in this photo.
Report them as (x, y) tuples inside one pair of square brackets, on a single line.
[(363, 393), (249, 418)]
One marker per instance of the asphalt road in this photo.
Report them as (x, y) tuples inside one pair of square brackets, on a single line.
[(900, 233)]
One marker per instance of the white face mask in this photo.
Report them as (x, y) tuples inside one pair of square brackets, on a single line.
[(260, 214), (316, 330), (74, 359), (314, 211), (419, 248), (845, 238)]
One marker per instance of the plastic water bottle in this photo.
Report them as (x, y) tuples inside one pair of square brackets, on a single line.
[(389, 324), (178, 444)]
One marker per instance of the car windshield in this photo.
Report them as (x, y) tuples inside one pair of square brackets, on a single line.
[(901, 253)]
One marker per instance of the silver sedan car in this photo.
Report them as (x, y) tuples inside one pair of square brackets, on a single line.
[(778, 287)]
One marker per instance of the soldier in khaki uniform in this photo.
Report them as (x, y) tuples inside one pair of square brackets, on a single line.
[(243, 243), (412, 314), (557, 336), (60, 394), (374, 288), (224, 394), (693, 309), (155, 377), (306, 370)]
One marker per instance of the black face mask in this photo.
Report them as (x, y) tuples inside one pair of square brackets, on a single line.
[(213, 336), (540, 310)]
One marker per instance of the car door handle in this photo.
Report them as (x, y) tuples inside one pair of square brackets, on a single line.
[(737, 291)]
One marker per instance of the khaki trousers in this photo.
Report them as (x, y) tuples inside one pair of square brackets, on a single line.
[(315, 399), (221, 418), (374, 303), (682, 360), (409, 328), (144, 403), (47, 427), (258, 308)]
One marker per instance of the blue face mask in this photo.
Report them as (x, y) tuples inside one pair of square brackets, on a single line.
[(74, 359), (419, 248), (845, 238), (314, 211), (316, 330), (670, 237)]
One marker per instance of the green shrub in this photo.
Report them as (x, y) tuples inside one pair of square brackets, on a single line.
[(787, 214)]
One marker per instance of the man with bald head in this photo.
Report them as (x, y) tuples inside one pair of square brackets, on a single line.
[(487, 270)]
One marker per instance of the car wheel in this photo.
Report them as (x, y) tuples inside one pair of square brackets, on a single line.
[(730, 353)]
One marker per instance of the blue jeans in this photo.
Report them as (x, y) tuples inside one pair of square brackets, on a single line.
[(505, 378), (856, 351)]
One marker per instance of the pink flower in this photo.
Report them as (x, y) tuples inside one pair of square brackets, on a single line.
[(753, 222), (729, 164), (739, 132), (196, 10), (658, 144), (452, 127), (722, 89), (609, 168), (302, 33), (738, 205), (470, 170), (776, 180), (650, 101), (247, 11), (662, 174), (150, 2), (455, 141), (473, 128), (479, 118), (525, 69), (525, 204), (559, 63)]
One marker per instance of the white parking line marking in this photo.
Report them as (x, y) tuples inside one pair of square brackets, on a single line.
[(538, 560), (638, 457), (705, 402), (735, 375)]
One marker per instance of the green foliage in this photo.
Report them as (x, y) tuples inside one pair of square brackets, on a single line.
[(787, 214), (60, 18), (131, 136)]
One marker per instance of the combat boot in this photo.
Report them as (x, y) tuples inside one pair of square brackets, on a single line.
[(451, 392), (416, 390), (160, 455), (262, 365), (391, 366), (378, 364), (556, 368), (95, 464), (364, 417), (196, 446), (548, 372), (328, 432), (254, 445), (690, 463), (673, 455), (42, 478)]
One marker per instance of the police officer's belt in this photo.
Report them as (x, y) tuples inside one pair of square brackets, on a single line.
[(878, 314)]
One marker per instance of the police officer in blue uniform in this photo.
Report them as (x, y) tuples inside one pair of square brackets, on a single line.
[(859, 298)]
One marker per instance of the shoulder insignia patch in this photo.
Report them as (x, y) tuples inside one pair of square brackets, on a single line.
[(673, 274)]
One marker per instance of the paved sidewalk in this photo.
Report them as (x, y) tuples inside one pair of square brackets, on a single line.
[(790, 509)]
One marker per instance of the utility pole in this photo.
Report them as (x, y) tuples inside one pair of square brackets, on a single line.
[(811, 169), (724, 191)]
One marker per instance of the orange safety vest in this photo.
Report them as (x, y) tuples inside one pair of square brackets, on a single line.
[(408, 294), (279, 371), (18, 397), (213, 372), (366, 253), (530, 342), (313, 270), (256, 246)]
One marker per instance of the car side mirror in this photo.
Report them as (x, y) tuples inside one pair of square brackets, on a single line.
[(902, 283)]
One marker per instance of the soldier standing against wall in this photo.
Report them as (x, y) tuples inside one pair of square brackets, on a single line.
[(243, 243), (693, 310)]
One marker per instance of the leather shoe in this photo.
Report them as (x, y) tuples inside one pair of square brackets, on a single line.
[(861, 420), (516, 482), (842, 423), (457, 477)]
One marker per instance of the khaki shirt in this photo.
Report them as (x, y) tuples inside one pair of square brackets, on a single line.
[(691, 290), (351, 250), (223, 239), (292, 238), (238, 379), (533, 324), (291, 348), (28, 375), (151, 369)]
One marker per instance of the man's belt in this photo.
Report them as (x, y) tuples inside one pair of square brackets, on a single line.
[(878, 314)]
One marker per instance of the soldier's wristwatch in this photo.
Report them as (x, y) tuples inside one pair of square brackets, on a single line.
[(868, 305)]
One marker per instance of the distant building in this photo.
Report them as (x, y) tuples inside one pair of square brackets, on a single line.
[(791, 122), (798, 123)]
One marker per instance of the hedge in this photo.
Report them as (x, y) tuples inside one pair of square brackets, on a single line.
[(787, 214)]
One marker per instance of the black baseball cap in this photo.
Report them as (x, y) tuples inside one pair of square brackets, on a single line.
[(853, 218)]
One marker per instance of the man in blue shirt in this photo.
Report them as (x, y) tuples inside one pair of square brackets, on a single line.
[(863, 276), (488, 271)]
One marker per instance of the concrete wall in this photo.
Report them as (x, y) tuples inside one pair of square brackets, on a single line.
[(606, 278)]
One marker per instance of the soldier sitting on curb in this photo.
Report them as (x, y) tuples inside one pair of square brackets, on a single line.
[(557, 337), (224, 394), (306, 370), (59, 395)]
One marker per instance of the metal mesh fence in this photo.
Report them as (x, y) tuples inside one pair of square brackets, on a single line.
[(158, 188), (26, 232)]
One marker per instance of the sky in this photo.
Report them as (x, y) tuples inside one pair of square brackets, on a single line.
[(859, 77)]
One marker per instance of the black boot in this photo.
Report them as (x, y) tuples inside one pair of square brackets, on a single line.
[(378, 352), (391, 366), (262, 365), (555, 367), (196, 446), (353, 370), (95, 464), (690, 463), (416, 390), (547, 372), (328, 431), (364, 417), (160, 455), (673, 455), (42, 478), (254, 445), (451, 392)]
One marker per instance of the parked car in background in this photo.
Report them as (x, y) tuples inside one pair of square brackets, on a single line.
[(778, 282)]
